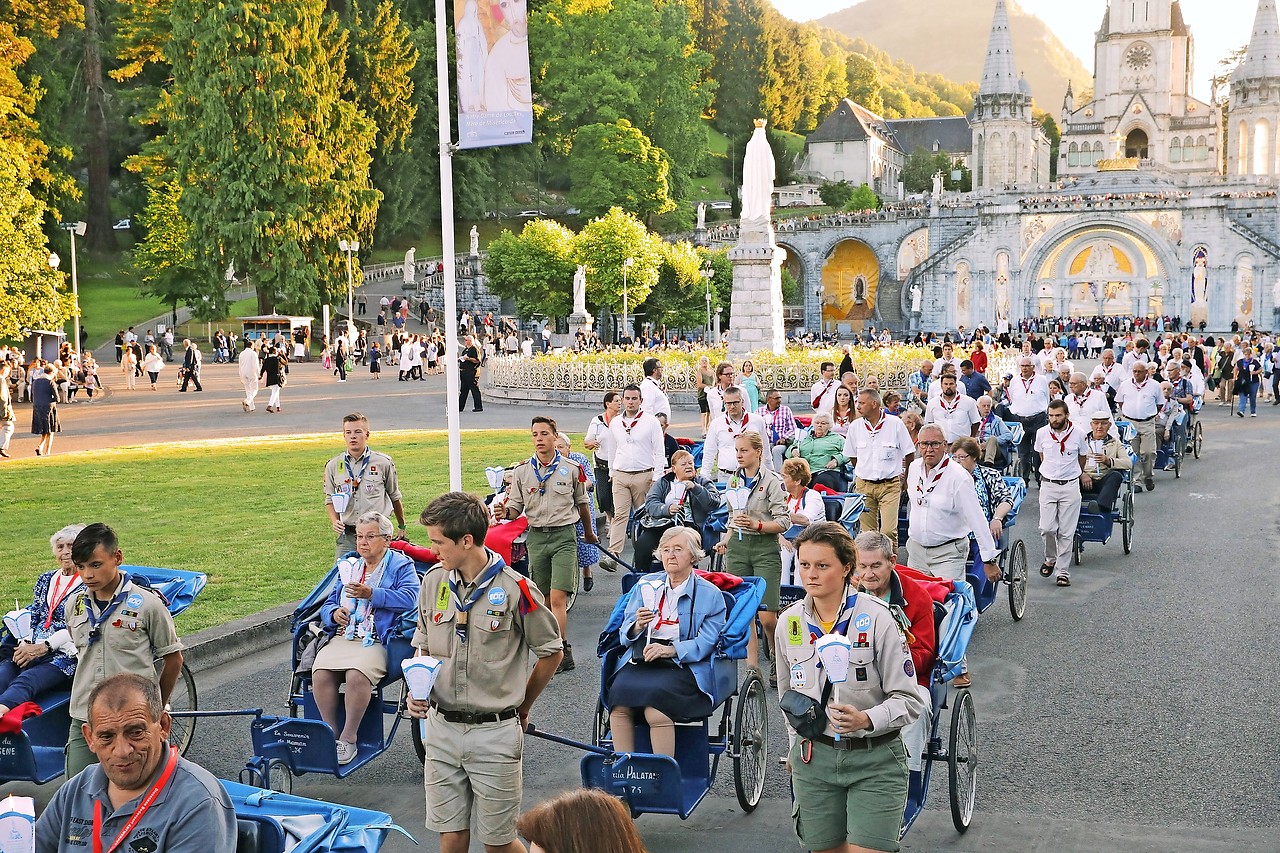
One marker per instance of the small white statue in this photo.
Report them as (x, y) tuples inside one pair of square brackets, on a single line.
[(758, 174), (410, 266), (702, 215), (916, 296), (475, 241), (580, 291), (937, 184)]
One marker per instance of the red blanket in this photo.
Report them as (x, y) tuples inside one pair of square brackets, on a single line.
[(938, 588), (499, 540), (723, 580)]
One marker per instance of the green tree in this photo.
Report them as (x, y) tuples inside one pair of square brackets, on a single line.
[(918, 172), (862, 78), (616, 165), (1054, 135), (740, 68), (535, 268), (164, 260), (272, 154), (836, 194), (603, 246), (32, 295), (864, 198)]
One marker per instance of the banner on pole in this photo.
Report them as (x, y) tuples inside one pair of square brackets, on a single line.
[(495, 100)]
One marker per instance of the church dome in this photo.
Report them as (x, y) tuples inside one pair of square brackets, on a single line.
[(1023, 86)]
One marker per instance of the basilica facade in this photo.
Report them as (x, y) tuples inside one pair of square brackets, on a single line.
[(1160, 206)]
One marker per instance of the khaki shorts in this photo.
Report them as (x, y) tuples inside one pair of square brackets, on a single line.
[(757, 556), (553, 559), (856, 796), (474, 768)]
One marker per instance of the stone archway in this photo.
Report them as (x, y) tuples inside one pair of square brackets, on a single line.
[(793, 310), (1100, 270), (1137, 144), (850, 286)]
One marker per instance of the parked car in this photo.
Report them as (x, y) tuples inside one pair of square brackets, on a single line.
[(721, 205), (123, 225)]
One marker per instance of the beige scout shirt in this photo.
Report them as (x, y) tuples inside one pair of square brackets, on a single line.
[(768, 501), (488, 672), (881, 680), (555, 505), (373, 487), (133, 635)]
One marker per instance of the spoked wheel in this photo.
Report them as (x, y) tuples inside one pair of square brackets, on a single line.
[(278, 776), (1197, 440), (600, 725), (1126, 525), (183, 698), (962, 760), (1077, 549), (1017, 580), (1177, 465), (751, 742)]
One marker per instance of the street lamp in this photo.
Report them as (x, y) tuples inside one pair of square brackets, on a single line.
[(626, 266), (75, 229), (350, 247), (708, 272)]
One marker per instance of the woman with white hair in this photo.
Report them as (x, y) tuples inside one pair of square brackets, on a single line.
[(46, 660), (666, 672), (371, 591)]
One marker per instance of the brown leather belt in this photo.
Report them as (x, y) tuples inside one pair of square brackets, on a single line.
[(469, 718), (851, 743)]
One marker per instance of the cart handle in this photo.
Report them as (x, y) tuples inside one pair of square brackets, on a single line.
[(621, 562), (564, 741), (243, 712)]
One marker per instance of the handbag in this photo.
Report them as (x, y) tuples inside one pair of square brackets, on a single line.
[(806, 715), (317, 638)]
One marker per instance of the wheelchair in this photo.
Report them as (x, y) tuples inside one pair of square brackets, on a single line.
[(1100, 527)]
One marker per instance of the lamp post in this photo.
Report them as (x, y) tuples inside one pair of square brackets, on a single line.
[(75, 229), (708, 272), (626, 267), (350, 247)]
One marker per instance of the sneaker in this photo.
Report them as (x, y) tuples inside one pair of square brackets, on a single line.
[(1253, 414), (1240, 414), (346, 753), (1168, 466), (566, 664)]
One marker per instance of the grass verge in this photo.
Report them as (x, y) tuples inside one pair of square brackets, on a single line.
[(247, 512)]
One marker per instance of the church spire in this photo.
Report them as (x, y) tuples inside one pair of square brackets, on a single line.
[(1263, 57), (1000, 76)]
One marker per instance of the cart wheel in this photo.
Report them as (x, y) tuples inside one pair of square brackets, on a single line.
[(600, 725), (1126, 524), (251, 777), (577, 581), (295, 689), (183, 698), (1197, 440), (1017, 579), (751, 742), (1077, 549), (1177, 466), (278, 777), (962, 761)]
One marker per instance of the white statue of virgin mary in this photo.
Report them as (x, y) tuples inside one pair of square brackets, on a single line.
[(758, 173)]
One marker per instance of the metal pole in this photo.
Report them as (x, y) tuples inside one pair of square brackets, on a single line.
[(453, 378), (624, 295), (75, 291), (351, 286)]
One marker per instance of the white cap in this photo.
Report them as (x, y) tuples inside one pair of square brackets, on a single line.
[(1101, 415)]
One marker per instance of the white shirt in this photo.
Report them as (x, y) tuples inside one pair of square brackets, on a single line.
[(1080, 408), (956, 417), (879, 451), (1132, 358), (1061, 451), (810, 505), (935, 391), (652, 398), (249, 365), (945, 507), (719, 453), (599, 431), (637, 445), (824, 392), (1028, 397), (1139, 402), (1110, 376), (715, 399), (943, 362)]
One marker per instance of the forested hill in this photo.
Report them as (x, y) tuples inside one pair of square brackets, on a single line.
[(949, 37)]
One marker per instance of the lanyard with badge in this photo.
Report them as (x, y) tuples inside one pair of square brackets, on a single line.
[(352, 478), (464, 606), (95, 622), (922, 494), (143, 807), (542, 479)]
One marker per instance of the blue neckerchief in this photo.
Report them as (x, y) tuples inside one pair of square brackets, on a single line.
[(748, 482), (364, 467), (464, 607), (96, 623), (842, 621), (551, 469)]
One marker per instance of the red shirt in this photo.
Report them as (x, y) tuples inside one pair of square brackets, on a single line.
[(979, 359)]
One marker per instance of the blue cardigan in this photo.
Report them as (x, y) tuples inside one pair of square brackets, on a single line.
[(698, 632), (396, 592)]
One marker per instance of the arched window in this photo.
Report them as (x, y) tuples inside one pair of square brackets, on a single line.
[(1242, 149), (1097, 153), (1015, 161), (1202, 148), (1073, 155), (1136, 144), (1175, 150), (1262, 148)]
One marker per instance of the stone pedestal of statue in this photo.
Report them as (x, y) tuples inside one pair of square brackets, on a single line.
[(755, 314), (701, 237)]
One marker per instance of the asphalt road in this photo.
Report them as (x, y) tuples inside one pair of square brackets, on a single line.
[(1133, 711)]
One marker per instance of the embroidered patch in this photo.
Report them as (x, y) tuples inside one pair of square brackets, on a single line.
[(497, 596)]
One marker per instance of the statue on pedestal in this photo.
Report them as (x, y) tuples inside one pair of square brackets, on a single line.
[(758, 174), (702, 215), (580, 292), (475, 241), (410, 266), (937, 184), (916, 296)]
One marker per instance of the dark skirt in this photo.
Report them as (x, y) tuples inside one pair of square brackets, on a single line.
[(375, 365), (671, 689), (44, 420)]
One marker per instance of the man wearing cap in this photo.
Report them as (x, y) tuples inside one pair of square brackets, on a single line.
[(141, 795), (1105, 464), (1063, 453), (1140, 399), (359, 481)]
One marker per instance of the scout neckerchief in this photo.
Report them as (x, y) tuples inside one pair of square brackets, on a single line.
[(143, 807), (921, 493), (58, 594), (628, 427), (873, 431), (541, 478), (1062, 439), (352, 478), (96, 622), (361, 623), (818, 399), (948, 411), (841, 625), (740, 428), (740, 478), (841, 420), (793, 504), (1080, 401), (464, 607)]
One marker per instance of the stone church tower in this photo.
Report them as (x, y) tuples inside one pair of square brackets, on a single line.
[(1009, 146), (1142, 106), (1253, 144)]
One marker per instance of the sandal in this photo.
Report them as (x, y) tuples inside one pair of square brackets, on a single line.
[(1063, 580), (1046, 569), (587, 583)]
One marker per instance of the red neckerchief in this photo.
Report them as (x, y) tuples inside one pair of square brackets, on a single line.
[(793, 504), (662, 620), (742, 427), (933, 484), (632, 425), (841, 419), (1080, 401), (1062, 442), (1138, 387), (949, 409), (141, 810), (873, 431), (818, 399), (59, 595)]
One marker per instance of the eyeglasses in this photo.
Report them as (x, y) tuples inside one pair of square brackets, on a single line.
[(726, 373), (933, 444), (960, 457), (360, 537)]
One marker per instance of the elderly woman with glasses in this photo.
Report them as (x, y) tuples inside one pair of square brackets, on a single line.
[(823, 449), (993, 492), (373, 588)]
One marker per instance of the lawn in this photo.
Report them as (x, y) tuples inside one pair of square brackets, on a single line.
[(249, 512)]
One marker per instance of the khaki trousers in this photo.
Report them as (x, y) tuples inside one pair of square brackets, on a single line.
[(880, 505), (629, 491)]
